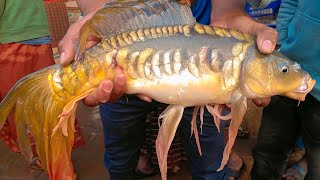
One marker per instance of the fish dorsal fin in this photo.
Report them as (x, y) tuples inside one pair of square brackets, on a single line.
[(130, 15)]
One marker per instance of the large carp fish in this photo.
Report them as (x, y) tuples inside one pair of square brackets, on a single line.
[(165, 55)]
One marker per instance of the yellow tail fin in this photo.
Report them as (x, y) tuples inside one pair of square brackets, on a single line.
[(38, 112)]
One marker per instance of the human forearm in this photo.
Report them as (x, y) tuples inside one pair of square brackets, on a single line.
[(222, 7), (87, 6)]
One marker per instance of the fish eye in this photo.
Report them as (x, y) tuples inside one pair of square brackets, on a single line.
[(285, 69)]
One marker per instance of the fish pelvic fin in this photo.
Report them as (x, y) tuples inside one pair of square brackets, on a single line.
[(50, 121), (170, 121), (194, 128), (238, 110)]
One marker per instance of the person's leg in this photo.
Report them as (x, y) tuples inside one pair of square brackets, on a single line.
[(298, 171), (309, 113), (236, 167), (277, 136), (124, 129), (212, 145)]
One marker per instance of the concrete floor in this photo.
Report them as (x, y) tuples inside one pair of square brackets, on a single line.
[(88, 160)]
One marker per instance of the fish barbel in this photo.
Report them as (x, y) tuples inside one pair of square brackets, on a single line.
[(165, 55)]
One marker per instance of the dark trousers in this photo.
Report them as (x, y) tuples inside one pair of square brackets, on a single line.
[(282, 121), (124, 125)]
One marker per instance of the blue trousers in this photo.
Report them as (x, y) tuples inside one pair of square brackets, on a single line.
[(124, 124)]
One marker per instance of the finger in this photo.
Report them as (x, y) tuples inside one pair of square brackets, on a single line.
[(144, 97), (92, 41), (100, 95), (267, 40), (119, 84), (66, 51), (263, 102)]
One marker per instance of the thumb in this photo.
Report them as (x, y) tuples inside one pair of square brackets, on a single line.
[(66, 51), (266, 37), (267, 40)]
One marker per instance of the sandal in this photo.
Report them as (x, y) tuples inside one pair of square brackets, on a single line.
[(236, 173), (140, 175)]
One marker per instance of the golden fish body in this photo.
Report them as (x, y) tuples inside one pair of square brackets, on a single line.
[(189, 67), (166, 55)]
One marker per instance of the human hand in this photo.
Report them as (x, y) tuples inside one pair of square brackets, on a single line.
[(231, 15), (66, 45), (107, 91)]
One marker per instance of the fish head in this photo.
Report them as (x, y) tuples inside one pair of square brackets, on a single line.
[(275, 74)]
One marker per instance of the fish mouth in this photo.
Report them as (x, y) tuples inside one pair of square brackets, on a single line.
[(301, 91)]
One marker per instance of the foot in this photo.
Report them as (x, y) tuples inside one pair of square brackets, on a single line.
[(297, 171), (144, 165), (235, 166)]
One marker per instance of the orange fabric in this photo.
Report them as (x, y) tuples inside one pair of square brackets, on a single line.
[(16, 61)]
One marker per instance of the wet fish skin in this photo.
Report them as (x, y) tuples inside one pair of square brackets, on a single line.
[(149, 60)]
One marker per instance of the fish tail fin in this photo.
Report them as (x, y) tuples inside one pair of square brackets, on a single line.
[(12, 97), (22, 99), (50, 121)]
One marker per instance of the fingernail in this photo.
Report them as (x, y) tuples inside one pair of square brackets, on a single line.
[(267, 45), (106, 88), (62, 57), (103, 101)]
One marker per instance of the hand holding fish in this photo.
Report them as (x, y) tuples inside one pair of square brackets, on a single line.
[(231, 15), (107, 90)]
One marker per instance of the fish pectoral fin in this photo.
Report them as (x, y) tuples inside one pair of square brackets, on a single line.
[(238, 110), (170, 121), (68, 113)]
